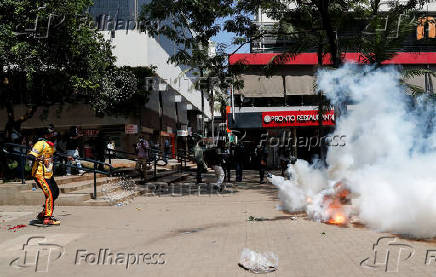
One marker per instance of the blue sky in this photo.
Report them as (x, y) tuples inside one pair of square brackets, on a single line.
[(227, 38)]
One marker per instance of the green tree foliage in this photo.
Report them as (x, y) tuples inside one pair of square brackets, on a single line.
[(48, 54), (51, 54)]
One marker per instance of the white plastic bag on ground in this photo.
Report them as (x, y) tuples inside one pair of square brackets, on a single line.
[(257, 262)]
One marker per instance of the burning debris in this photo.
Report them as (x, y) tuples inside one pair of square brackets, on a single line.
[(331, 205), (386, 173), (334, 204)]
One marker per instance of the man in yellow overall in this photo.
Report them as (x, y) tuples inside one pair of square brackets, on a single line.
[(42, 171)]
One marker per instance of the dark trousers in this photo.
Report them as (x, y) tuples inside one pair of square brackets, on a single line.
[(239, 168), (262, 172), (51, 193), (227, 169), (199, 170)]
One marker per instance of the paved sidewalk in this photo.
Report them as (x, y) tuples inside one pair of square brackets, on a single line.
[(198, 236)]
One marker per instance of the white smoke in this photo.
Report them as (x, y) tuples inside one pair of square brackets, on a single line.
[(389, 158)]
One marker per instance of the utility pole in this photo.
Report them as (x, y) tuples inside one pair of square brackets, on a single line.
[(284, 90), (202, 102), (212, 101)]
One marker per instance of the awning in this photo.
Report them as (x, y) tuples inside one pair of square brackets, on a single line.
[(298, 82)]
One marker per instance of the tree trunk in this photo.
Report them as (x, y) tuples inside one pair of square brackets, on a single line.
[(323, 8)]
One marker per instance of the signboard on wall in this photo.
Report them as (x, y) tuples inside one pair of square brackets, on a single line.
[(296, 118), (131, 129), (182, 133), (89, 132)]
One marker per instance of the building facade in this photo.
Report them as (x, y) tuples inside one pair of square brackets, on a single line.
[(284, 105), (173, 104)]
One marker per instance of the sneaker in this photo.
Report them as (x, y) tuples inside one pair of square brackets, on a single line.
[(40, 216), (217, 187), (68, 174), (51, 221), (81, 172)]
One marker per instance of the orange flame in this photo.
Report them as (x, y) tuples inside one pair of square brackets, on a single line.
[(338, 219), (335, 210)]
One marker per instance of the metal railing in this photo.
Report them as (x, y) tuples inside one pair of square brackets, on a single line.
[(9, 149), (20, 151), (23, 150), (183, 156), (154, 156), (94, 168)]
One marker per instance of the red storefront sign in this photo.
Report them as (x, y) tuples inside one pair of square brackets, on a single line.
[(296, 118)]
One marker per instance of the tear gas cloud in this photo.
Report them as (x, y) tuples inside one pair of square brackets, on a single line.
[(389, 160)]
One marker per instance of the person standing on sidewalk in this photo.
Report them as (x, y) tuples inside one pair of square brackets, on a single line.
[(214, 160), (239, 158), (100, 149), (227, 159), (262, 154), (167, 151), (199, 159), (73, 150), (42, 172), (142, 156)]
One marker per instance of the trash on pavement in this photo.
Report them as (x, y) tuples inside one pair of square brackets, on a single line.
[(257, 262), (252, 218)]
